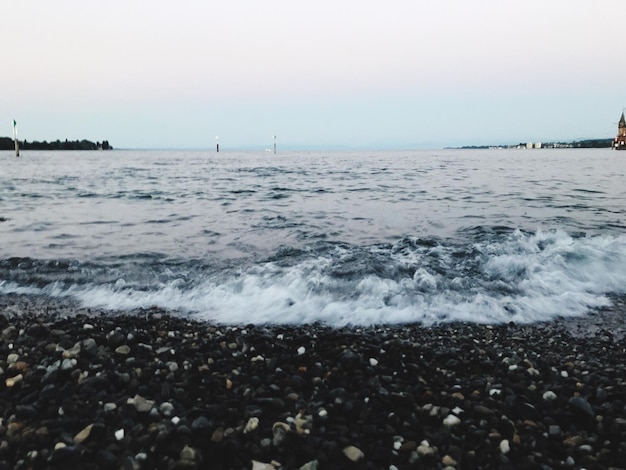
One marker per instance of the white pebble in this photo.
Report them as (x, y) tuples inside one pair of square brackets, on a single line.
[(424, 449), (109, 407), (564, 374), (280, 337), (457, 411), (533, 372), (119, 434), (323, 413), (166, 409), (373, 362), (494, 391), (504, 446), (451, 420), (301, 350), (549, 395), (175, 420), (253, 423)]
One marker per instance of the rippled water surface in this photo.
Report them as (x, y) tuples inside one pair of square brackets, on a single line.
[(338, 237)]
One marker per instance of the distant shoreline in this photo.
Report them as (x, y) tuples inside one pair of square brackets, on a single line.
[(579, 144), (6, 143)]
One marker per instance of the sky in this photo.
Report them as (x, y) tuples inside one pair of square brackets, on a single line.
[(341, 73)]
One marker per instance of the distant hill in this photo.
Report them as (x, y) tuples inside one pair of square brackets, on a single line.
[(6, 143)]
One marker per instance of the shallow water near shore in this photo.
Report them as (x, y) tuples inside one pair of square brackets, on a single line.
[(340, 238)]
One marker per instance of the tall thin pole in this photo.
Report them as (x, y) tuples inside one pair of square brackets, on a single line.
[(217, 144), (17, 144), (274, 143)]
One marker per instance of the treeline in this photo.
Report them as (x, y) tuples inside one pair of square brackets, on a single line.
[(6, 143), (593, 144)]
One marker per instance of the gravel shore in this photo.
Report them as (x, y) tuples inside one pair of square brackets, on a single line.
[(151, 390)]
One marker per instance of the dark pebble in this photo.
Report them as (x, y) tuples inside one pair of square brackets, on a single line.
[(465, 389)]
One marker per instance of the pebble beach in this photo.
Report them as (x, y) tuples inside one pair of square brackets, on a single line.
[(149, 389)]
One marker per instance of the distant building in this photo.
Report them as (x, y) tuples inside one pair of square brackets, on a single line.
[(529, 145), (537, 145), (620, 141)]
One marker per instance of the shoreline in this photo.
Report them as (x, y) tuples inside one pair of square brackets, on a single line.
[(153, 390)]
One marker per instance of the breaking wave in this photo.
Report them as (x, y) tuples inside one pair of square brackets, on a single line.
[(493, 276)]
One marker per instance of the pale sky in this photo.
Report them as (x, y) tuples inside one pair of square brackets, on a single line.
[(359, 73)]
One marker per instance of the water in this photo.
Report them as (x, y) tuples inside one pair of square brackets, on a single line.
[(343, 238)]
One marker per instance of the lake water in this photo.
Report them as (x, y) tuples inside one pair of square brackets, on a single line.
[(359, 238)]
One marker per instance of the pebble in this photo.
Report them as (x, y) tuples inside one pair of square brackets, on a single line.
[(582, 406), (505, 447), (188, 453), (68, 364), (256, 465), (124, 350), (167, 407), (353, 453), (451, 420), (425, 449), (83, 435), (13, 381), (108, 407), (251, 425), (554, 430), (218, 435), (201, 423), (533, 372), (279, 432), (549, 396), (141, 404)]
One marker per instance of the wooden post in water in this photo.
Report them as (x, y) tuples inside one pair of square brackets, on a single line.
[(217, 144), (17, 144), (274, 144)]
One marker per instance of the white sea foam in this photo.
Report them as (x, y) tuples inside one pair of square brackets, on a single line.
[(522, 277)]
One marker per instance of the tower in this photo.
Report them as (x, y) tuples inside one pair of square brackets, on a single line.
[(620, 141)]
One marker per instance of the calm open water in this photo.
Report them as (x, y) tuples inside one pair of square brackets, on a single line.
[(361, 237)]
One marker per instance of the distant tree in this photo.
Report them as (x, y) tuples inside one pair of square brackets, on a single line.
[(6, 143)]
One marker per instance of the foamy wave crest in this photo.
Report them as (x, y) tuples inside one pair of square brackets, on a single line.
[(517, 277)]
